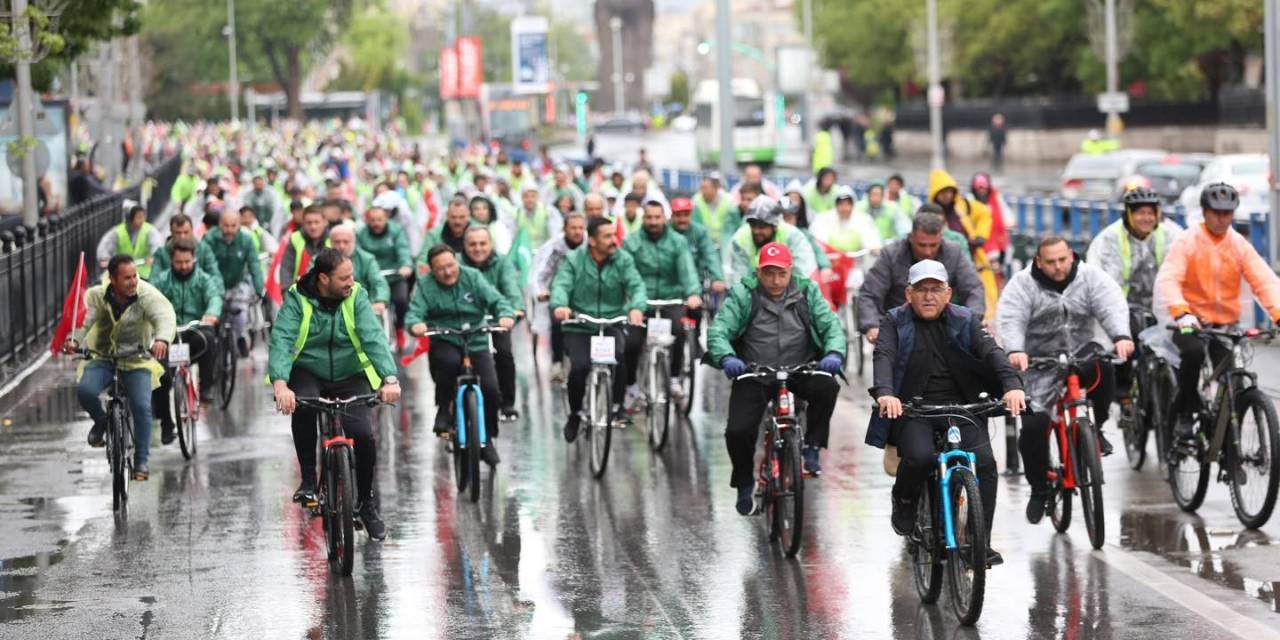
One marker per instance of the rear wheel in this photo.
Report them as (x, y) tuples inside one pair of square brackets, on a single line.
[(601, 429), (926, 556), (658, 409), (226, 369), (788, 503), (692, 354), (472, 408), (1089, 480), (967, 563), (185, 407), (1133, 425), (1255, 460), (1188, 475), (339, 510)]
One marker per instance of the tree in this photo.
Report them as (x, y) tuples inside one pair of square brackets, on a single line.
[(292, 35), (679, 89), (82, 23), (373, 56)]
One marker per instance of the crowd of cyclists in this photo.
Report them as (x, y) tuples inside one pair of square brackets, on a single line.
[(340, 232)]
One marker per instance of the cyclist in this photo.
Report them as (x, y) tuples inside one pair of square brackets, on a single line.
[(367, 273), (795, 212), (821, 192), (195, 295), (844, 228), (706, 257), (714, 210), (764, 224), (896, 195), (665, 262), (456, 296), (485, 213), (263, 200), (601, 281), (547, 261), (1199, 284), (632, 217), (303, 245), (264, 243), (775, 319), (135, 237), (500, 272), (940, 352), (457, 218), (386, 241), (594, 205), (121, 314), (326, 341), (534, 217), (1054, 306), (891, 222), (971, 218), (180, 227), (885, 283), (238, 266), (752, 174)]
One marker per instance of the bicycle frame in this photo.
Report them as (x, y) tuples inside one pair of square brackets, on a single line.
[(966, 459), (1064, 425), (469, 380), (1233, 380)]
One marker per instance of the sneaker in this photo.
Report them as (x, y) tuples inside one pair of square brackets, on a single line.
[(1036, 506), (994, 559), (811, 466), (676, 389), (1107, 449), (508, 414), (557, 372), (97, 434), (904, 516), (619, 417), (242, 344), (371, 520), (306, 495), (141, 472), (746, 504), (168, 432), (489, 454), (571, 427), (443, 424)]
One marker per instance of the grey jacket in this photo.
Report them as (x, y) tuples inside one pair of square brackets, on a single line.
[(777, 335), (1041, 322), (1106, 252), (547, 261), (885, 284)]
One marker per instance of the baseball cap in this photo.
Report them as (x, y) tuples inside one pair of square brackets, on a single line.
[(926, 270), (775, 254), (681, 204)]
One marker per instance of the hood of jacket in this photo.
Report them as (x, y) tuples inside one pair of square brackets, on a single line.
[(939, 179)]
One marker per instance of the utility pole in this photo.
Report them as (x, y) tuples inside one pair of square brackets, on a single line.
[(936, 95), (26, 125), (1113, 70), (807, 122), (1272, 35), (619, 96), (233, 87), (724, 77)]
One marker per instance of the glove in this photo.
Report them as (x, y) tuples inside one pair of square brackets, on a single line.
[(733, 366), (1188, 321), (831, 363)]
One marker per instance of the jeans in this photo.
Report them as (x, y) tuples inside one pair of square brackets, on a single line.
[(1192, 349), (914, 438), (747, 402), (137, 383)]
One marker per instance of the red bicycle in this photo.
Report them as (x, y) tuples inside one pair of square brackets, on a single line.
[(1078, 464), (842, 292), (186, 393)]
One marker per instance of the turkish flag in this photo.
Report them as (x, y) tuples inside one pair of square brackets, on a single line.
[(423, 346), (73, 308)]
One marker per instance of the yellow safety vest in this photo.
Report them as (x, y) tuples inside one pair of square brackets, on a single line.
[(1126, 253), (349, 319), (140, 251)]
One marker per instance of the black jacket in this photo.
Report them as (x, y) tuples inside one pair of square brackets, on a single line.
[(885, 284)]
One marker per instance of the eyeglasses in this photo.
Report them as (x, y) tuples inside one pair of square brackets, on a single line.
[(930, 292)]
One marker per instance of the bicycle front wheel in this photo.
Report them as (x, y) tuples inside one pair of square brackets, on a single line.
[(1255, 460), (658, 409), (227, 369), (967, 562), (1089, 481), (1133, 425), (471, 404), (118, 455), (339, 510), (601, 429), (923, 547), (692, 354), (185, 406), (788, 501), (1188, 474)]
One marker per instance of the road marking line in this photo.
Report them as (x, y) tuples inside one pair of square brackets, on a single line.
[(1194, 601), (22, 375)]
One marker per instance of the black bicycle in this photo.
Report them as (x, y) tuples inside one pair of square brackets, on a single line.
[(119, 434), (225, 373), (336, 499), (1238, 430), (1150, 393)]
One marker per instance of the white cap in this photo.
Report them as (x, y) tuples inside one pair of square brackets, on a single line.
[(926, 270)]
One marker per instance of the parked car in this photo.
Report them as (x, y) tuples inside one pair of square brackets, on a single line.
[(1097, 177), (1168, 176), (684, 123), (1249, 173), (622, 123)]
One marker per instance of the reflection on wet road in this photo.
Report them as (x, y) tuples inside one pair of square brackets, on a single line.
[(214, 548)]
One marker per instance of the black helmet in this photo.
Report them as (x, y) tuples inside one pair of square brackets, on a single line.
[(1139, 197), (1219, 196)]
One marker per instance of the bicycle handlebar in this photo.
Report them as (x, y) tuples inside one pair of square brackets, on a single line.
[(470, 331), (658, 304), (583, 318), (338, 404), (1066, 360), (981, 408), (1231, 333), (86, 353), (755, 370)]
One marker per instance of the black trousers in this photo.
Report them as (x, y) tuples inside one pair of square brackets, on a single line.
[(505, 363), (557, 341), (626, 349), (1192, 349), (676, 360), (445, 361), (400, 301), (1033, 440), (914, 437), (357, 424), (747, 402), (1124, 371), (202, 343)]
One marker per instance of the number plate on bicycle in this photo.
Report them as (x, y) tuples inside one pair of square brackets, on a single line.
[(659, 328), (602, 350), (179, 353)]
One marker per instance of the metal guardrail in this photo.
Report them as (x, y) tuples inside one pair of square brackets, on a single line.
[(37, 265)]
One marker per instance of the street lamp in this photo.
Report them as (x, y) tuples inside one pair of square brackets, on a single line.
[(619, 100), (233, 87)]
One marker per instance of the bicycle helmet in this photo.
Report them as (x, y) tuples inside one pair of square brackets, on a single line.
[(763, 210), (1219, 196), (1139, 197)]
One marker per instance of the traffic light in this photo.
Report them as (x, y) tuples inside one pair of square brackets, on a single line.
[(581, 98), (580, 110)]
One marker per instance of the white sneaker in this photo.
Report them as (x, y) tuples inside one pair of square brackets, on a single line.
[(557, 372), (635, 398), (676, 389)]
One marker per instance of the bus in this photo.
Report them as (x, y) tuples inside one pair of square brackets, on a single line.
[(510, 119), (755, 134)]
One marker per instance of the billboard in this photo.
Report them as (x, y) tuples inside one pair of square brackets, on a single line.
[(530, 65), (448, 74), (470, 67)]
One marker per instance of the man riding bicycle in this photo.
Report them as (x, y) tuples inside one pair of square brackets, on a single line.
[(343, 238), (600, 281), (938, 352), (180, 227), (1199, 284), (844, 228), (546, 264), (326, 342), (456, 297), (387, 242), (196, 296), (706, 256), (763, 224), (241, 272), (1052, 307), (775, 319), (500, 272), (303, 245), (123, 314), (135, 237)]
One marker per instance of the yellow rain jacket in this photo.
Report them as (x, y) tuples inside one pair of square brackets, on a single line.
[(976, 219)]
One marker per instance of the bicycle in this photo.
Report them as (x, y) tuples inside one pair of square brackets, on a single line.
[(335, 498), (950, 523), (845, 299), (119, 433), (1150, 394), (186, 393), (780, 479), (598, 422), (657, 373), (470, 434), (1078, 468), (1247, 451), (225, 373)]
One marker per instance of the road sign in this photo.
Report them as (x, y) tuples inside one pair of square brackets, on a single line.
[(1113, 102)]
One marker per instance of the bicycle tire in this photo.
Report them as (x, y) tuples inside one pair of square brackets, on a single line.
[(1188, 477), (658, 409), (460, 471), (340, 510), (185, 406), (601, 430), (226, 370), (471, 407), (692, 354), (926, 550), (1266, 430), (1161, 400), (1133, 425), (1089, 480), (788, 504), (967, 563), (118, 455), (1059, 506)]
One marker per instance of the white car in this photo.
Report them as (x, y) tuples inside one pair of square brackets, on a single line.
[(684, 123), (1249, 173)]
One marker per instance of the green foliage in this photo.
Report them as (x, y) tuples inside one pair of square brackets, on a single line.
[(374, 60), (82, 23), (679, 88)]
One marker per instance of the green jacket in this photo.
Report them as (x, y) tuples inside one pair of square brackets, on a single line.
[(731, 320), (326, 350), (603, 291), (500, 272), (665, 265), (720, 220), (705, 254), (369, 276), (193, 298), (391, 249), (466, 303), (234, 259), (205, 260)]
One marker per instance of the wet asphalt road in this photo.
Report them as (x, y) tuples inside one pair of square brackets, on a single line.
[(214, 548)]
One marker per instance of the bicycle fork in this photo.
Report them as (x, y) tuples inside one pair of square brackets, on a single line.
[(464, 383), (966, 459)]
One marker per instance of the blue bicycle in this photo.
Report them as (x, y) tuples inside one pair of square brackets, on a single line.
[(950, 525), (470, 435)]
